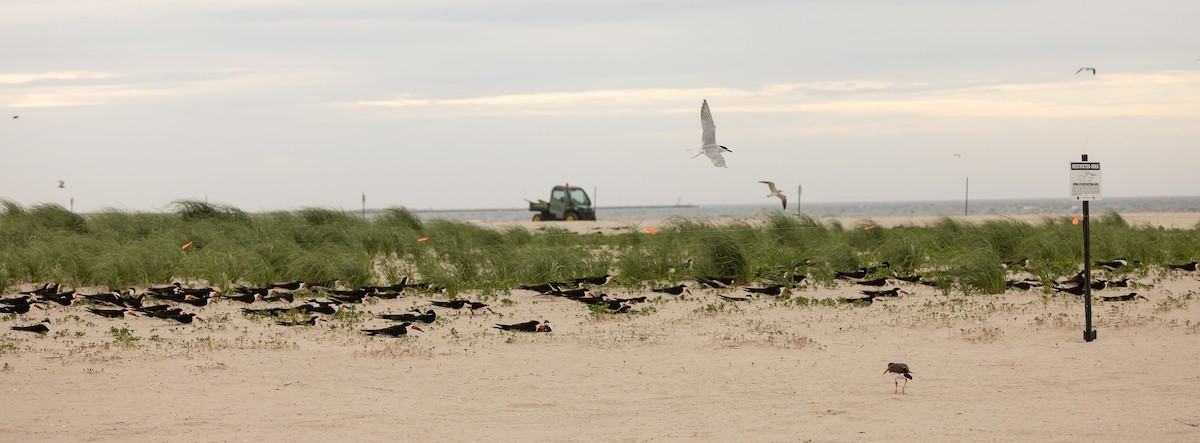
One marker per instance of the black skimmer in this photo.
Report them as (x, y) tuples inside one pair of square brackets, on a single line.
[(859, 300), (413, 316), (173, 288), (1122, 283), (708, 138), (398, 287), (1191, 267), (716, 282), (461, 304), (352, 299), (1022, 263), (23, 300), (39, 328), (65, 299), (310, 322), (874, 282), (1023, 285), (685, 265), (1086, 68), (529, 326), (1078, 279), (545, 288), (798, 278), (899, 371), (48, 288), (280, 296), (775, 290), (270, 311), (19, 309), (594, 281), (113, 313), (185, 318), (1126, 297), (726, 297), (907, 278), (775, 192), (320, 307), (571, 293), (160, 311), (291, 286), (674, 290), (199, 300), (894, 292), (852, 275), (394, 331), (247, 298), (1113, 265)]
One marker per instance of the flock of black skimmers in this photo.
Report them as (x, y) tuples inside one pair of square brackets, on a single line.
[(172, 303)]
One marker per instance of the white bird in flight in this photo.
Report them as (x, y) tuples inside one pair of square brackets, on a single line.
[(775, 192), (708, 138), (1085, 68)]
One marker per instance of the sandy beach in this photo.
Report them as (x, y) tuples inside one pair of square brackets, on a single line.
[(1012, 366)]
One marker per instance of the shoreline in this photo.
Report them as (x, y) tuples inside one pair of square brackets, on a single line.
[(1166, 220)]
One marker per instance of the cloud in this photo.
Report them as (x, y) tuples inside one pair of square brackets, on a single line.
[(31, 77), (1165, 94)]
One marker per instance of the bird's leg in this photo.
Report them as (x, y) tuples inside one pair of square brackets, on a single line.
[(896, 391), (902, 390)]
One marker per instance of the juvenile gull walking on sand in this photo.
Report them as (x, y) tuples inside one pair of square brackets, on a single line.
[(899, 371), (708, 138), (775, 192)]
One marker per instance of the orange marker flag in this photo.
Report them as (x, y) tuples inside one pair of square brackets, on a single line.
[(1075, 221), (187, 245), (652, 230), (868, 228), (422, 239)]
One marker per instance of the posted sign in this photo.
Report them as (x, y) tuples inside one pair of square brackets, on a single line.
[(1085, 180)]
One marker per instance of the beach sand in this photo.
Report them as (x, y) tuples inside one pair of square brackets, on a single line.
[(986, 367)]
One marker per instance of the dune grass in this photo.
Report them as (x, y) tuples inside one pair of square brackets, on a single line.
[(227, 247)]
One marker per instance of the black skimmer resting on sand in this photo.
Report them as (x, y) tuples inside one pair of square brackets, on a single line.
[(394, 331), (874, 282), (851, 275), (414, 316), (775, 290), (708, 138), (320, 307), (1122, 283), (899, 371), (726, 297), (113, 313), (716, 282), (544, 288), (39, 328), (310, 322), (1126, 297), (19, 309), (859, 300), (244, 298), (462, 304), (1113, 265), (894, 292), (529, 326), (594, 281), (775, 192), (1191, 267), (674, 290)]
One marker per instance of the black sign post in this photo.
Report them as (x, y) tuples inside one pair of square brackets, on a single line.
[(1086, 187)]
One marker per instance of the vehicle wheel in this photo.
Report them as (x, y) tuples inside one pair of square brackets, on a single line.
[(537, 217), (570, 216)]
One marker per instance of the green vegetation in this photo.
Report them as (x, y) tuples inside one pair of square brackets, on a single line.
[(226, 247)]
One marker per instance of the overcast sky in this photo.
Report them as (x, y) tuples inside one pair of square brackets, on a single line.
[(274, 104)]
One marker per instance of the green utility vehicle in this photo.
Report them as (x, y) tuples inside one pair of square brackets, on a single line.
[(567, 203)]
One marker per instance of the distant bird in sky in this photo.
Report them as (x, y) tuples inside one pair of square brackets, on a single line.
[(1085, 68), (62, 184), (775, 192), (16, 116), (708, 138)]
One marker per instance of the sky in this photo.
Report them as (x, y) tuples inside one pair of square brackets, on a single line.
[(278, 105)]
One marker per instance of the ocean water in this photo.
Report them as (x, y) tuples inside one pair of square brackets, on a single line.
[(856, 209)]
